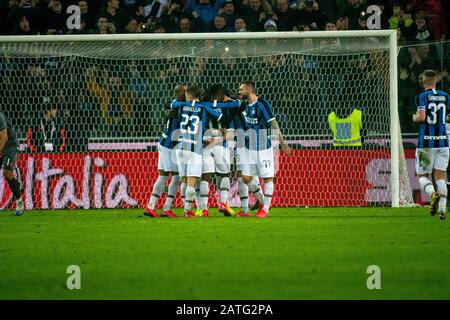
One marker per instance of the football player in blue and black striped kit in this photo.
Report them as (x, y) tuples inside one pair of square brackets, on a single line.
[(167, 164), (432, 153), (259, 157), (193, 116)]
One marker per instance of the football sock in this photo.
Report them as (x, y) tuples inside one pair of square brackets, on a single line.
[(268, 192), (255, 188), (171, 192), (183, 192), (243, 193), (224, 189), (158, 188), (426, 185), (15, 187), (198, 196), (204, 191), (442, 192), (189, 198)]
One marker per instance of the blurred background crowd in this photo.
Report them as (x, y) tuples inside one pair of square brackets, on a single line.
[(128, 99), (417, 19)]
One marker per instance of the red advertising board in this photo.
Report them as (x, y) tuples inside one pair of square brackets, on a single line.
[(125, 179)]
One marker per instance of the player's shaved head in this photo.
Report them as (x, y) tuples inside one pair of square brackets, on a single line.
[(180, 91), (193, 92), (247, 88), (429, 77), (250, 86)]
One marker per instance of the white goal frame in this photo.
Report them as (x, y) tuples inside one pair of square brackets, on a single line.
[(391, 34)]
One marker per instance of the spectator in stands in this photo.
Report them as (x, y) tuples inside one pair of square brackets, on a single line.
[(185, 25), (309, 14), (115, 15), (219, 24), (229, 13), (114, 100), (131, 25), (240, 25), (47, 135), (362, 21), (270, 26), (23, 8), (256, 13), (285, 17), (155, 8), (401, 20), (103, 26), (433, 10), (130, 6), (188, 25), (159, 28), (397, 12), (139, 15), (172, 14), (406, 97), (419, 30), (56, 20), (86, 15), (422, 57), (330, 26), (24, 28), (342, 23), (205, 9), (352, 10)]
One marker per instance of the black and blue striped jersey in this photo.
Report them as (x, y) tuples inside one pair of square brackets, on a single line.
[(239, 125), (432, 132), (214, 127), (192, 117), (167, 140), (258, 116)]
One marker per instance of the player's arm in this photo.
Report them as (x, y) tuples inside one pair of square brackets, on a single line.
[(230, 104), (283, 145), (211, 113), (420, 114), (268, 115)]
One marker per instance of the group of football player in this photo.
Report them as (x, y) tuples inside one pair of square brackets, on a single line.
[(204, 131)]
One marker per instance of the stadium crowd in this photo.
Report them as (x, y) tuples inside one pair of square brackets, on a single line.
[(418, 19), (134, 86)]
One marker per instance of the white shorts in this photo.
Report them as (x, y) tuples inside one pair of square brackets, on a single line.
[(239, 158), (258, 163), (428, 159), (165, 161), (189, 163), (216, 159)]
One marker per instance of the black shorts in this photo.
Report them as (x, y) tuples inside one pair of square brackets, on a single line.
[(9, 159)]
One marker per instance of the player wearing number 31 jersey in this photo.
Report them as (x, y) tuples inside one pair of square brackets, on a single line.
[(432, 154)]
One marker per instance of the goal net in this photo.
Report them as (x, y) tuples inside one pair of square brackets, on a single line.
[(111, 94)]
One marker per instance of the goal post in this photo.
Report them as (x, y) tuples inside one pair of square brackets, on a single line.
[(113, 91)]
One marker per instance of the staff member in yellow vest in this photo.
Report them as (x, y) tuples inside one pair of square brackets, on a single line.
[(347, 132)]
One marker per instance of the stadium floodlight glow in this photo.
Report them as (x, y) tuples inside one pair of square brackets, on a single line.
[(305, 75)]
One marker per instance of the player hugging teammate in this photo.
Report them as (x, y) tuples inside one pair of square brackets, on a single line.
[(208, 127)]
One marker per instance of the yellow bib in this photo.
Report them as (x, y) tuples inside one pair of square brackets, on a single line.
[(346, 131)]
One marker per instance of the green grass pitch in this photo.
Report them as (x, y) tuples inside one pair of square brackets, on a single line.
[(297, 253)]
